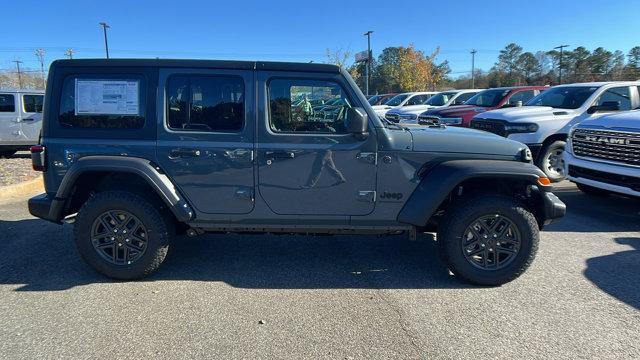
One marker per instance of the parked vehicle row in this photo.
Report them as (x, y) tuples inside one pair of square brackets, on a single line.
[(409, 113), (20, 119)]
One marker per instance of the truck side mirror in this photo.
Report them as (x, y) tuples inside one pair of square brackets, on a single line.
[(357, 122), (605, 106)]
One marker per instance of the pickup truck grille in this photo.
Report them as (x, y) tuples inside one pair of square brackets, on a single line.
[(622, 147), (392, 117), (492, 126)]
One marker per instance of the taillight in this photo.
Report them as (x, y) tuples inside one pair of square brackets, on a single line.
[(38, 158)]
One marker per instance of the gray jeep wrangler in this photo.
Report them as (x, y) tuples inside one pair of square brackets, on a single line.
[(137, 151)]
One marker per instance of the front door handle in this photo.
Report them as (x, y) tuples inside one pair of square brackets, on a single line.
[(183, 153)]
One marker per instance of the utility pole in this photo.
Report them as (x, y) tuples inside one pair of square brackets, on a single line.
[(69, 53), (473, 68), (40, 55), (561, 47), (18, 62), (368, 63), (106, 44)]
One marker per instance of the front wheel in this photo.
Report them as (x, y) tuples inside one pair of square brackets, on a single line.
[(489, 240), (551, 161), (121, 235)]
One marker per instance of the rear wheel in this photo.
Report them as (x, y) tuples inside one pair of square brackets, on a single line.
[(121, 235), (590, 190), (551, 161), (489, 240)]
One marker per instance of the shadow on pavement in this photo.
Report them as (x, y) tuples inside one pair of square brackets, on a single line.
[(618, 274), (603, 213), (42, 257)]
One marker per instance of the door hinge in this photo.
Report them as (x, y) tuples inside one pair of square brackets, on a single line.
[(367, 195), (370, 157)]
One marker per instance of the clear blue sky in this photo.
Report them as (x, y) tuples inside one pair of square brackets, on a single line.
[(303, 30)]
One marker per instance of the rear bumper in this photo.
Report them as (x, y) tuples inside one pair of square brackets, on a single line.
[(44, 207)]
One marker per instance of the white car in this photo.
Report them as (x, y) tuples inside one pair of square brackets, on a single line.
[(20, 120), (404, 99), (544, 122), (603, 155), (409, 113)]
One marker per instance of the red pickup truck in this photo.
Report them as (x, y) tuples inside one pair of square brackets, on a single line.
[(485, 100)]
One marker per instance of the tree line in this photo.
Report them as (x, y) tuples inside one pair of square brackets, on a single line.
[(399, 69)]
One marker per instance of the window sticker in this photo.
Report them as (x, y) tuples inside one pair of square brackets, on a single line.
[(107, 97)]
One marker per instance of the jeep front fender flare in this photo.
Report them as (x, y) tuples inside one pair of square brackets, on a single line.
[(438, 183), (138, 166)]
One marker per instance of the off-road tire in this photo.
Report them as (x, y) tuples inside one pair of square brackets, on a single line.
[(594, 191), (463, 214), (160, 229), (545, 153)]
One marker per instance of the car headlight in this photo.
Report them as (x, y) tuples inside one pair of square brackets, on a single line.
[(451, 121), (521, 128), (526, 155)]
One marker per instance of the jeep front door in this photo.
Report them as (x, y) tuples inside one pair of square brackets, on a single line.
[(308, 164), (205, 142)]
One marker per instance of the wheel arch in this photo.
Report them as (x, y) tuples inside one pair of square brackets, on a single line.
[(447, 182), (98, 173)]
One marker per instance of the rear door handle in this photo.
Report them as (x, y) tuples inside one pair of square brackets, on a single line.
[(183, 153), (280, 154)]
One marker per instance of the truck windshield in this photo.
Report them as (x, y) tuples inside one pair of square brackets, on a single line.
[(396, 100), (565, 97), (374, 99), (440, 98), (487, 98)]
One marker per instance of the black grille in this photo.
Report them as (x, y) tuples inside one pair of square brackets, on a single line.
[(392, 117), (492, 126), (608, 145), (630, 182)]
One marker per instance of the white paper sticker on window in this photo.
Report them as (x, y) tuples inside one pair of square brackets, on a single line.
[(107, 97)]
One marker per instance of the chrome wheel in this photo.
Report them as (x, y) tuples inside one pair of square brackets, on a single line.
[(491, 242), (554, 163), (119, 237)]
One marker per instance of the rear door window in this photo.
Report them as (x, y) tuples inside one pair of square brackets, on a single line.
[(32, 103), (521, 96), (7, 103), (205, 103), (620, 95)]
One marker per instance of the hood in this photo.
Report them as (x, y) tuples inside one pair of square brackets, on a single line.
[(526, 113), (462, 140), (626, 121), (411, 109), (456, 111)]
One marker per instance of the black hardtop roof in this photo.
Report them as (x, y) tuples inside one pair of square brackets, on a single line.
[(191, 63)]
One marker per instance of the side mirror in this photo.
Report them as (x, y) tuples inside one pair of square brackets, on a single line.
[(357, 122), (605, 106)]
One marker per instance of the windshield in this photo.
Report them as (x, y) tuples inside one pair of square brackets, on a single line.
[(487, 98), (440, 99), (396, 100), (565, 97), (374, 99)]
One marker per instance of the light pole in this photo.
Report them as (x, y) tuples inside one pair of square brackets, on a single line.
[(40, 55), (106, 44), (560, 62), (473, 68), (18, 62), (368, 63)]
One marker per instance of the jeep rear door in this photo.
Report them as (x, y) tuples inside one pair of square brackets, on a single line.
[(308, 164), (31, 116), (205, 142), (9, 119)]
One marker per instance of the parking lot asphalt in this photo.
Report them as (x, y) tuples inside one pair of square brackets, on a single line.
[(340, 297)]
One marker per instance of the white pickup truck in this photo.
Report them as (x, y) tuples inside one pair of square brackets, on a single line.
[(544, 122), (404, 99), (20, 119), (603, 154), (409, 113)]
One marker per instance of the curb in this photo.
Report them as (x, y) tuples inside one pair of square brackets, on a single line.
[(30, 187)]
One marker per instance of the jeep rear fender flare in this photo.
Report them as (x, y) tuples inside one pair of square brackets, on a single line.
[(138, 166), (436, 185)]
